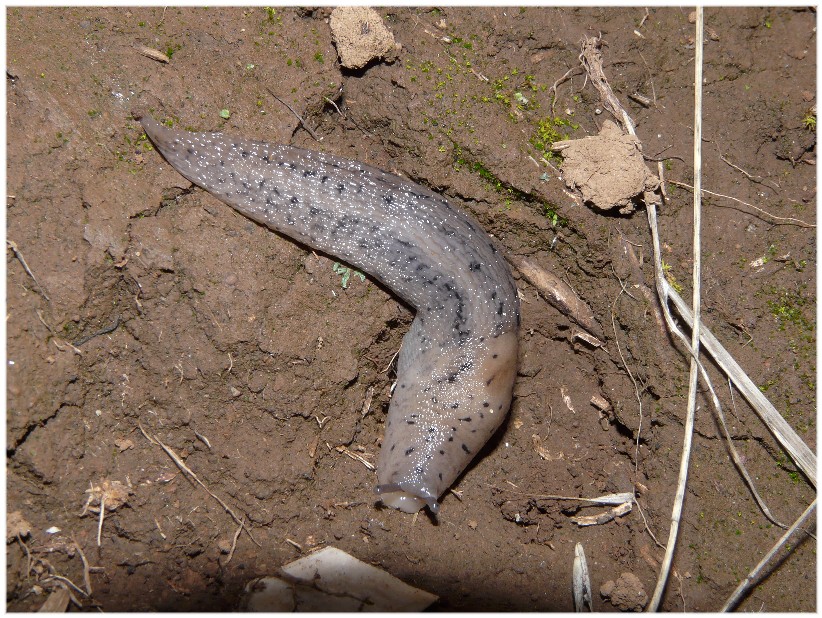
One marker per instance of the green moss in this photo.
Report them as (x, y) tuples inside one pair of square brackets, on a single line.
[(548, 131), (788, 309)]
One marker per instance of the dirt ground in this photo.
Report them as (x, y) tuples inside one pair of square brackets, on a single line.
[(244, 354)]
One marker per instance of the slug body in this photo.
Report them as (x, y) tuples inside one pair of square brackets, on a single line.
[(457, 363)]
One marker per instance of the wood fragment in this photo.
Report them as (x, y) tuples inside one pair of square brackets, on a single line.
[(559, 294), (605, 517), (366, 406), (152, 53), (57, 602)]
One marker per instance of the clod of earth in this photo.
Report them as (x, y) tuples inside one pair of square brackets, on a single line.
[(360, 36), (608, 169), (626, 594)]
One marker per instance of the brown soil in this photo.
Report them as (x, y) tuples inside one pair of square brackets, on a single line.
[(241, 351)]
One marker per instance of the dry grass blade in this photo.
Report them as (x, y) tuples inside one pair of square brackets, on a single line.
[(190, 473), (753, 576), (796, 448), (582, 581)]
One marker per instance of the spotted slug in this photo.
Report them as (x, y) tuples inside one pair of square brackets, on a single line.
[(457, 363)]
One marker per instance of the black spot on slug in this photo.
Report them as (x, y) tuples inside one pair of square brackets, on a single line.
[(465, 448), (408, 451)]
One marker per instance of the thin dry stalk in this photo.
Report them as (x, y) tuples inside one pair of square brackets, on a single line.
[(679, 499), (186, 470), (766, 410), (553, 88), (102, 517), (300, 118), (625, 364), (237, 533), (666, 292), (13, 246), (776, 220), (753, 576)]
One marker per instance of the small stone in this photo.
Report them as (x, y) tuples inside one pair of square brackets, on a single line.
[(235, 392)]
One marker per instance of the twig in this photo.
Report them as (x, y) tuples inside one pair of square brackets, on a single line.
[(778, 220), (300, 118), (179, 462), (607, 500), (66, 581), (591, 60), (753, 576), (13, 246), (86, 577), (29, 560), (647, 527), (234, 543), (561, 80)]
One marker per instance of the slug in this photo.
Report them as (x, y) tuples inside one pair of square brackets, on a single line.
[(457, 363)]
